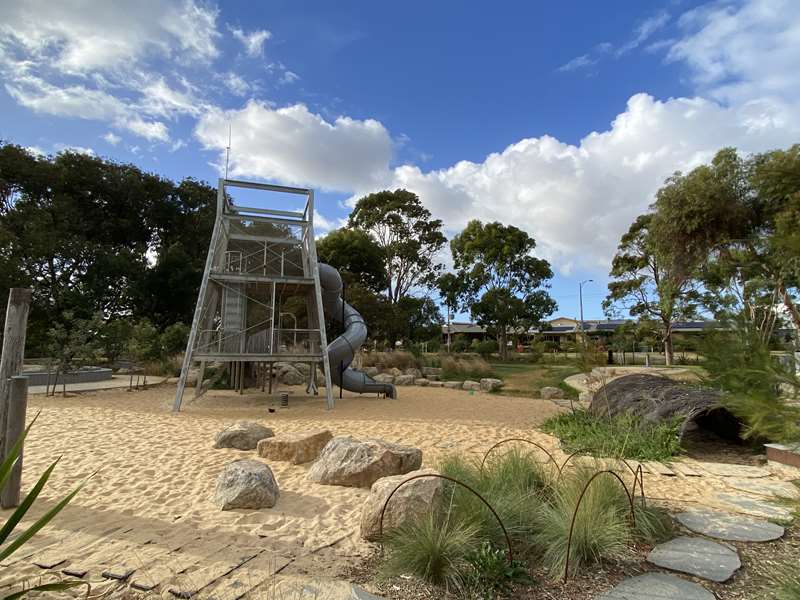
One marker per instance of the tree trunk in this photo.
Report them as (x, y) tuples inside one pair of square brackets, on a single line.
[(502, 343), (791, 309), (668, 355), (13, 355)]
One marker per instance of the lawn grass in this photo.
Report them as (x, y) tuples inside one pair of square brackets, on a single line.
[(622, 436), (525, 379)]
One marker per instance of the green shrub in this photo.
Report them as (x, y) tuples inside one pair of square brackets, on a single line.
[(435, 548), (486, 348), (491, 574), (602, 528), (621, 436)]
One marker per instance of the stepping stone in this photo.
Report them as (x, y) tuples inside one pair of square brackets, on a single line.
[(755, 506), (696, 556), (779, 489), (657, 468), (728, 527), (726, 470), (657, 586)]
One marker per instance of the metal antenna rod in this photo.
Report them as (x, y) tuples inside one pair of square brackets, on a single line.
[(228, 150)]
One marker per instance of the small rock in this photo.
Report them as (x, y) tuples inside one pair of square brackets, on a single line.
[(413, 372), (471, 385), (394, 371), (437, 384), (489, 384), (384, 378), (350, 462), (422, 382), (732, 528), (432, 372), (551, 393), (411, 501), (297, 448), (698, 557), (657, 586), (246, 483), (404, 380), (455, 385), (242, 435)]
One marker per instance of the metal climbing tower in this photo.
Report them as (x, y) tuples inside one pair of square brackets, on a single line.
[(260, 300)]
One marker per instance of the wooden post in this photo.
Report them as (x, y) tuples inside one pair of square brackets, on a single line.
[(17, 407), (19, 302)]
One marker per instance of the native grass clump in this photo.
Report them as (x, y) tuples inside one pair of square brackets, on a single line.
[(460, 543)]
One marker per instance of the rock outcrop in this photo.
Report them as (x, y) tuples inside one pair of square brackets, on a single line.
[(246, 483), (349, 462)]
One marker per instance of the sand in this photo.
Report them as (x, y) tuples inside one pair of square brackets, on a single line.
[(152, 473)]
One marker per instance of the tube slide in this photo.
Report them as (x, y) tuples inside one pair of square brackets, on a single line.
[(342, 350)]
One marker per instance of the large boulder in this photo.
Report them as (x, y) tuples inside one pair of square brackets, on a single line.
[(404, 380), (371, 371), (656, 399), (394, 371), (432, 372), (438, 384), (297, 448), (422, 382), (246, 483), (242, 435), (353, 463), (455, 385), (384, 378), (473, 386), (415, 373), (289, 375), (551, 393), (489, 384), (411, 502)]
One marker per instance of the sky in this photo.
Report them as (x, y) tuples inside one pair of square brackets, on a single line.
[(562, 118)]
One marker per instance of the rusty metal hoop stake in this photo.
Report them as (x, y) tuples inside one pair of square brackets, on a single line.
[(578, 505), (462, 484), (501, 442), (566, 460)]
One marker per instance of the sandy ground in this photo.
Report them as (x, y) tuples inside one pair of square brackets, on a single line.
[(156, 470)]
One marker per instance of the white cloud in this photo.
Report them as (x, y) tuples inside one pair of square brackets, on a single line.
[(235, 83), (79, 149), (577, 200), (112, 139), (579, 62), (298, 147), (740, 53), (253, 42), (88, 60), (644, 31), (289, 76)]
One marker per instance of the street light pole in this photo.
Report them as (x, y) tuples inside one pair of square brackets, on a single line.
[(580, 300)]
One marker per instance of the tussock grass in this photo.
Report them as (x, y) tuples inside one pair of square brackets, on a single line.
[(388, 360), (621, 436), (468, 367)]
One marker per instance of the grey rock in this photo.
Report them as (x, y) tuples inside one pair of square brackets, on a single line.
[(413, 372), (431, 372), (394, 371), (738, 471), (733, 528), (371, 371), (242, 435), (754, 506), (437, 384), (384, 378), (422, 382), (410, 502), (489, 384), (471, 385), (657, 586), (404, 380), (350, 462), (289, 375), (551, 393), (697, 556), (455, 385), (246, 483), (297, 448)]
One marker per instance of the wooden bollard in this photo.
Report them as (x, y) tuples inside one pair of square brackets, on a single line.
[(19, 301), (17, 409)]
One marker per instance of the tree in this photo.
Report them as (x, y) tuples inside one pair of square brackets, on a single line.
[(421, 317), (73, 344), (451, 289), (408, 236), (356, 256), (650, 284), (503, 281)]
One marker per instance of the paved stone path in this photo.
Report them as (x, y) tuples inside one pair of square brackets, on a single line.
[(697, 556), (727, 527), (657, 586), (756, 507)]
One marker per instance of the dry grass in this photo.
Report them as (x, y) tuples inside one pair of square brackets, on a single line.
[(388, 360), (468, 367)]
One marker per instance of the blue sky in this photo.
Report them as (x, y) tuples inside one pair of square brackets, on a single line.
[(561, 118)]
